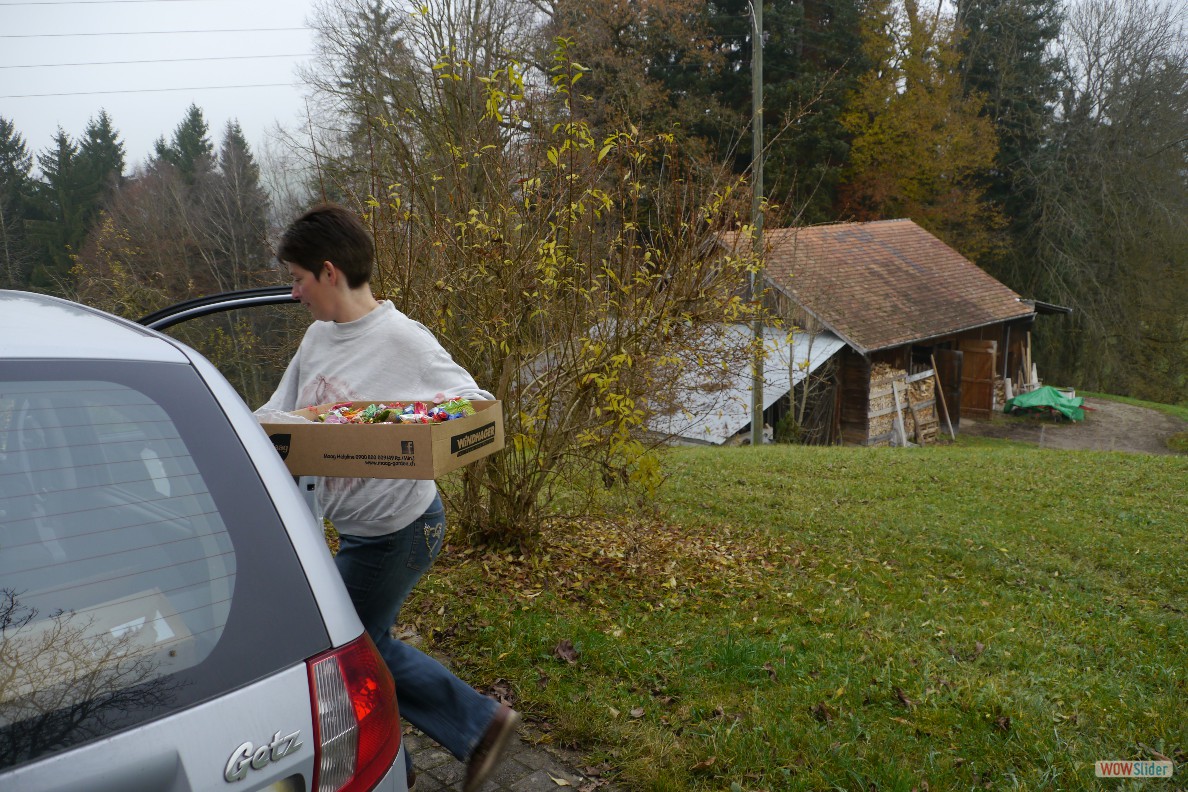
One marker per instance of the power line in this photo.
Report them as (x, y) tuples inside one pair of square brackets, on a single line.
[(148, 90), (100, 2), (147, 32), (161, 60)]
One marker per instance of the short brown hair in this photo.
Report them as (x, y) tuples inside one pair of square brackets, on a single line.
[(329, 232)]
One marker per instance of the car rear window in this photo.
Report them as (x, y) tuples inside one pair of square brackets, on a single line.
[(142, 566)]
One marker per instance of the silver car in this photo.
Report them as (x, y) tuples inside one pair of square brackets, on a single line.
[(170, 618)]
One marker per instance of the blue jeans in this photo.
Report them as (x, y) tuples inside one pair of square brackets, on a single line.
[(379, 572)]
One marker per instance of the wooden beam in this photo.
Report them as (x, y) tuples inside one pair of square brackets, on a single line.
[(1027, 378), (898, 414), (941, 392)]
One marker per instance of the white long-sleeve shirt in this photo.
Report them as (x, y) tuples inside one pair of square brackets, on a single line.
[(382, 356)]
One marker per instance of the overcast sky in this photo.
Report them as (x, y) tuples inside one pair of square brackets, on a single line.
[(33, 50)]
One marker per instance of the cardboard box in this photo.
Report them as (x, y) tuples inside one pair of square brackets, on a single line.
[(416, 451)]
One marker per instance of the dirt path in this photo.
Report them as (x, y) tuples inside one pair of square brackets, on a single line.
[(1108, 426)]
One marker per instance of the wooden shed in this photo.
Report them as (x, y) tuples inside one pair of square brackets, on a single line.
[(904, 303)]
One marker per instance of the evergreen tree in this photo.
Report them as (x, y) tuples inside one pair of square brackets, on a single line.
[(812, 59), (101, 153), (190, 150), (239, 214), (62, 206), (16, 184), (685, 67), (160, 153), (1006, 59)]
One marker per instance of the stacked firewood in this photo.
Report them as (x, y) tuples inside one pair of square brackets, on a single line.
[(1000, 394), (916, 407)]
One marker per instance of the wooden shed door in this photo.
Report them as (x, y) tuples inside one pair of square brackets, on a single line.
[(977, 378), (948, 370)]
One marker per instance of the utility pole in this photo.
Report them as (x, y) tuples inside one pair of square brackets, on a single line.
[(756, 7)]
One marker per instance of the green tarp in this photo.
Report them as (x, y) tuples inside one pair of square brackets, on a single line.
[(1047, 398)]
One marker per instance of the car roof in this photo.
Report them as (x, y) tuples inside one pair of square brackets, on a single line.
[(38, 326)]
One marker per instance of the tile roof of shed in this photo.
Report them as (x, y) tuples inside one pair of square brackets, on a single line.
[(884, 283)]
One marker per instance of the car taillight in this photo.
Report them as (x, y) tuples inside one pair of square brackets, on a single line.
[(356, 724)]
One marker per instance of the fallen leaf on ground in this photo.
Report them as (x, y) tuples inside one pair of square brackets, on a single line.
[(704, 764), (559, 781), (564, 650)]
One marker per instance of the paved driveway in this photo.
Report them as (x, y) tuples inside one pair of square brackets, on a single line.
[(528, 766)]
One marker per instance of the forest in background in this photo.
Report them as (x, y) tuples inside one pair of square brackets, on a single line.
[(1045, 140)]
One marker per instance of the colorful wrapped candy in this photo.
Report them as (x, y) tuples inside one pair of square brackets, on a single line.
[(457, 407), (397, 412)]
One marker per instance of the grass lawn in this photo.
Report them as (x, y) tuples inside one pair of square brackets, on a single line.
[(972, 616)]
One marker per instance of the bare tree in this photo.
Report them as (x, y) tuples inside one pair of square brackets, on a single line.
[(1111, 235)]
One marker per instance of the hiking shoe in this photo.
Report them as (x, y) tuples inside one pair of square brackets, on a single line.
[(490, 747)]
